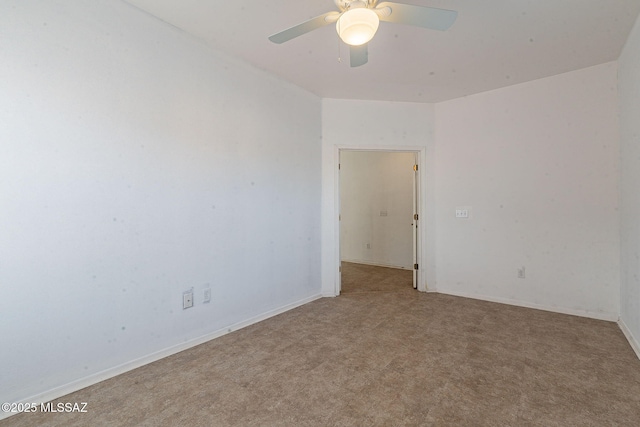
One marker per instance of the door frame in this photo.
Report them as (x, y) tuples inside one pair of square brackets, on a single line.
[(420, 153)]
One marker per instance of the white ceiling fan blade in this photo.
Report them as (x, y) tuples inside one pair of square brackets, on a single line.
[(305, 27), (358, 55), (421, 16)]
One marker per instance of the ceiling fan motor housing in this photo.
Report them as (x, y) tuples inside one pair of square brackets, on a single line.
[(348, 4)]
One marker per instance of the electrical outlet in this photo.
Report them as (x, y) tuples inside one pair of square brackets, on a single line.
[(206, 295), (521, 273), (187, 299)]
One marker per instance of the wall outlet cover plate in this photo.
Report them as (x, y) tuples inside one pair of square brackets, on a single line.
[(187, 300)]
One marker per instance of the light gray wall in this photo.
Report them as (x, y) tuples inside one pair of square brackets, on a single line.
[(629, 93), (136, 163), (376, 208), (538, 163)]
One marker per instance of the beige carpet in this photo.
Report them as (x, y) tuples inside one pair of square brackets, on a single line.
[(368, 278), (401, 358)]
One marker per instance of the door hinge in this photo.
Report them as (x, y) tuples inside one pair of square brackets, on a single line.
[(415, 266), (415, 168), (415, 216), (338, 166)]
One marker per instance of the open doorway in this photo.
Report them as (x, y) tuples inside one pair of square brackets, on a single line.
[(378, 220)]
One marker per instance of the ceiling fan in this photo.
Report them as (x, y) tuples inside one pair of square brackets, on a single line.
[(357, 22)]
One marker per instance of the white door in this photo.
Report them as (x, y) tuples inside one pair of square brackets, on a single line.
[(416, 218)]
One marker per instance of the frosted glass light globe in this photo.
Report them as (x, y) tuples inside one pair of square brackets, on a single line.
[(357, 26)]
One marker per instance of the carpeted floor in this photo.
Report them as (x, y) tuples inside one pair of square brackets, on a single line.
[(369, 278), (400, 358)]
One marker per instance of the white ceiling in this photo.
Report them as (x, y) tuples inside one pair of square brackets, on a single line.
[(493, 43)]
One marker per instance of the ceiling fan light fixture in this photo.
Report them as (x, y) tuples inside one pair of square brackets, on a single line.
[(357, 26)]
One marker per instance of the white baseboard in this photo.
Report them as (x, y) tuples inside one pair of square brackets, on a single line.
[(611, 317), (635, 345), (90, 380)]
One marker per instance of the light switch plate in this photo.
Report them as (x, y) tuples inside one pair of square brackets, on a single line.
[(463, 212)]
